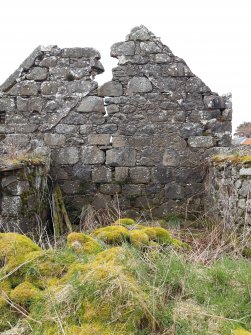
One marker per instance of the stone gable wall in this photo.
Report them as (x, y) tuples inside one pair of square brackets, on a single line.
[(140, 139), (164, 122)]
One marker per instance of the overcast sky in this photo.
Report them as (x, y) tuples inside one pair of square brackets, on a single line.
[(213, 37)]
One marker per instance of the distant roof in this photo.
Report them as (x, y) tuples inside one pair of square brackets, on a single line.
[(247, 141), (238, 140)]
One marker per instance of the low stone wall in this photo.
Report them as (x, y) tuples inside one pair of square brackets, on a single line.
[(228, 191), (23, 197)]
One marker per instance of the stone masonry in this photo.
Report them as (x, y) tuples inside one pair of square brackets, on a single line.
[(140, 139), (23, 198), (229, 192)]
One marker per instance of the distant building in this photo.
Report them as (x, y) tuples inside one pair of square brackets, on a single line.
[(246, 141), (238, 140)]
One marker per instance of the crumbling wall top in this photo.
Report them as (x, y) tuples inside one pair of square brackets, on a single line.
[(40, 52)]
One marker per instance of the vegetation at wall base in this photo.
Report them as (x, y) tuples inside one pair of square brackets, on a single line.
[(233, 159), (125, 279)]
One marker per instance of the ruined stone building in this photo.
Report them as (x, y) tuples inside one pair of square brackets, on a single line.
[(140, 140)]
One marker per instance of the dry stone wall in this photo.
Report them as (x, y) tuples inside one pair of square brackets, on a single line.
[(229, 192), (23, 198), (140, 139)]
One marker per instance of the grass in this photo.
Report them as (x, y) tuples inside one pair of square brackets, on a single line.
[(233, 159), (15, 156), (125, 288), (24, 158)]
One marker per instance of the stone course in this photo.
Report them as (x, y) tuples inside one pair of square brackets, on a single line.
[(142, 137)]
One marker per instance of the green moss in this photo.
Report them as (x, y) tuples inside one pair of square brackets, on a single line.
[(125, 222), (94, 328), (138, 238), (13, 249), (241, 331), (24, 293), (112, 234), (44, 268), (89, 311), (178, 244), (98, 297), (31, 179), (121, 298), (75, 271), (158, 234), (41, 203), (127, 290), (114, 254), (25, 211), (32, 193), (83, 243), (246, 159), (100, 272), (137, 235), (25, 198), (5, 288), (140, 226), (50, 329)]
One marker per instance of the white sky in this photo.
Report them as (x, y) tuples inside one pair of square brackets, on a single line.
[(213, 37)]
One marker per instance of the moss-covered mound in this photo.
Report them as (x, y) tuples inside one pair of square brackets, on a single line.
[(83, 243), (24, 293), (14, 248), (137, 235), (112, 234), (125, 222), (122, 279)]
